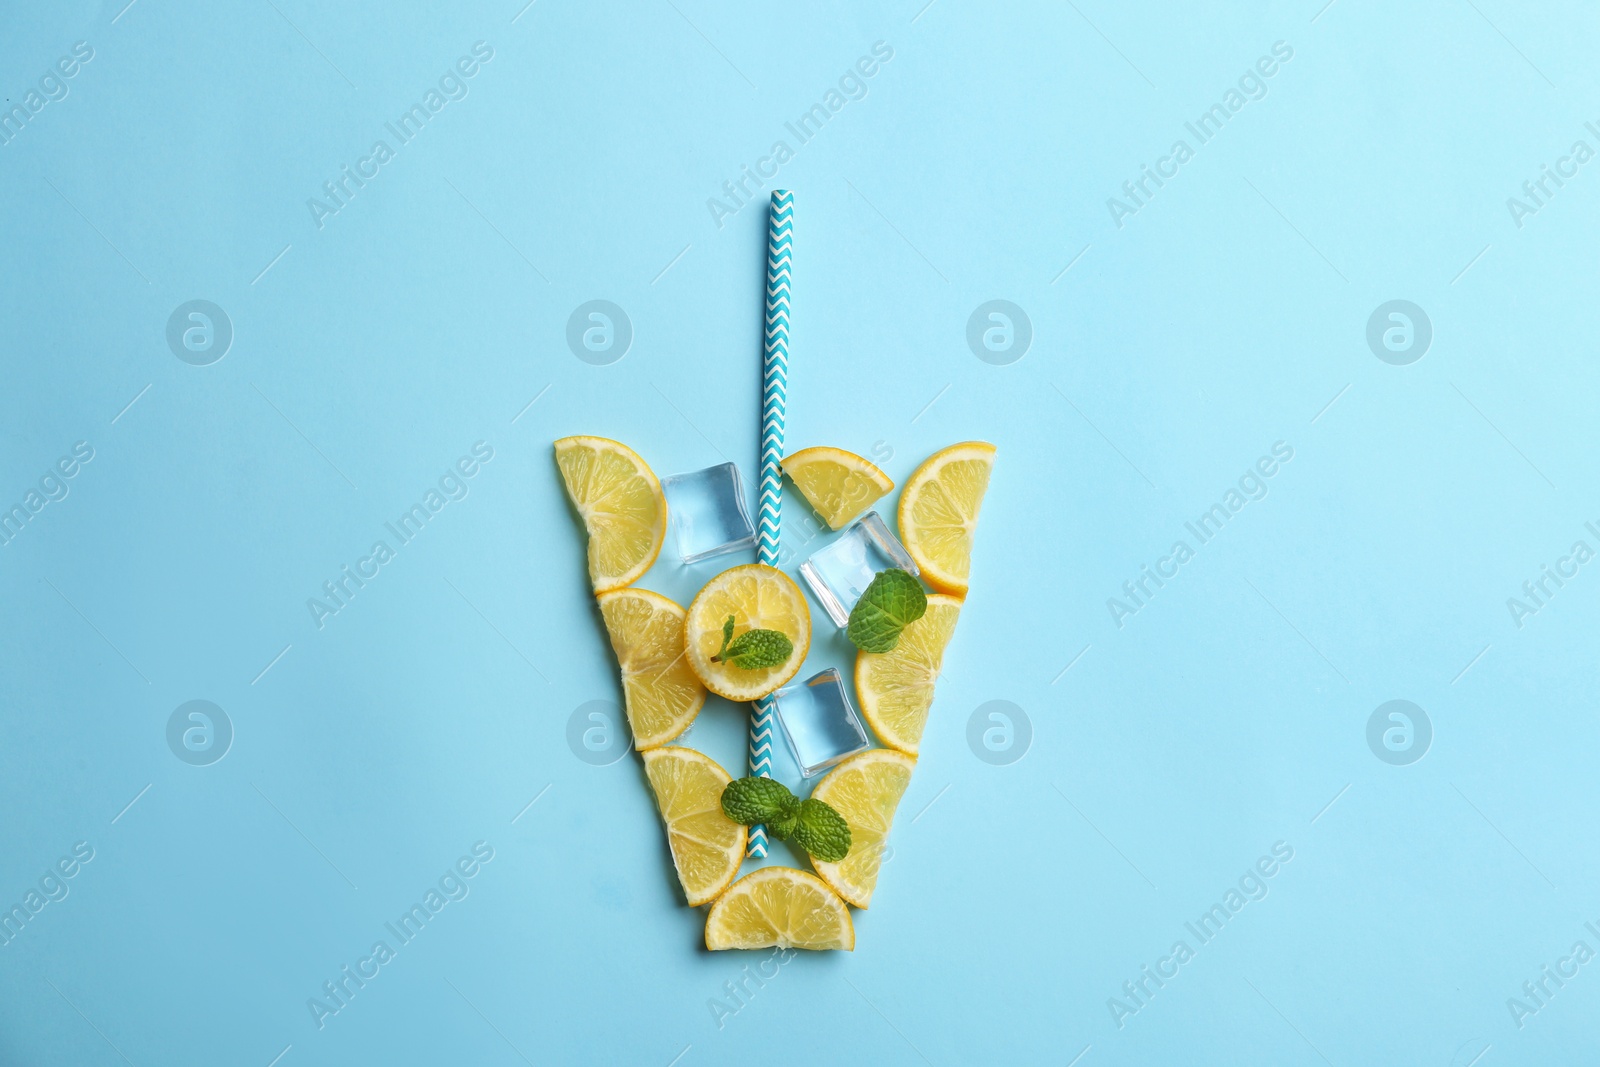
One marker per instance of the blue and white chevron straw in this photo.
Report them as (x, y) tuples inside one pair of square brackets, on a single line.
[(774, 387)]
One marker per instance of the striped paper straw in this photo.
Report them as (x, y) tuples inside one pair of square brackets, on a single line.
[(774, 387)]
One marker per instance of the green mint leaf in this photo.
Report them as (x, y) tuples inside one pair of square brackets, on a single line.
[(782, 825), (889, 604), (812, 824), (822, 831), (727, 635), (755, 649), (753, 800)]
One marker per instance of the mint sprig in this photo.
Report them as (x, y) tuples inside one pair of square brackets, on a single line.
[(753, 649), (813, 824), (892, 602), (822, 831), (754, 799)]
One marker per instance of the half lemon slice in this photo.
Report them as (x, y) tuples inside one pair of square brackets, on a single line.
[(707, 846), (782, 907), (662, 694), (896, 688), (840, 485), (865, 789), (939, 510), (622, 507)]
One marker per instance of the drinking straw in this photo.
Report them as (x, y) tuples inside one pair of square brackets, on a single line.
[(774, 386)]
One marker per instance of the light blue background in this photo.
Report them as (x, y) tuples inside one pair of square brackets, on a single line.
[(1226, 315)]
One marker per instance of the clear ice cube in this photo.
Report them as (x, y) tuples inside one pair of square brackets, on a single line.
[(819, 722), (707, 511), (839, 573)]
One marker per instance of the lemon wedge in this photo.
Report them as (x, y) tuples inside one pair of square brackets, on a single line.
[(865, 789), (939, 509), (707, 846), (661, 693), (896, 688), (840, 485), (782, 907), (622, 507)]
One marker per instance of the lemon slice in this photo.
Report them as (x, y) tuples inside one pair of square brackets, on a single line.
[(782, 907), (707, 846), (939, 509), (662, 694), (896, 688), (759, 598), (840, 485), (865, 789), (621, 504)]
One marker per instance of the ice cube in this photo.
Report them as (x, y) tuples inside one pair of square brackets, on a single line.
[(708, 513), (839, 573), (819, 722)]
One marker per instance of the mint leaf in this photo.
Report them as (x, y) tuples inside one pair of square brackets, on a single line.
[(893, 601), (727, 635), (753, 800), (813, 824), (782, 825), (755, 649), (821, 831)]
